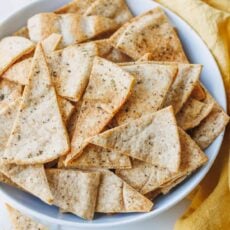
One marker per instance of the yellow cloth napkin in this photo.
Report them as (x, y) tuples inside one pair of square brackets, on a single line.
[(210, 201)]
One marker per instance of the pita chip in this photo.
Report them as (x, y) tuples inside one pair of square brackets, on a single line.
[(150, 32), (152, 138), (31, 178), (81, 199), (146, 57), (98, 157), (22, 32), (11, 49), (147, 178), (75, 6), (66, 109), (19, 72), (107, 51), (116, 196), (114, 9), (74, 28), (4, 179), (70, 69), (108, 89), (21, 222), (38, 120), (150, 90)]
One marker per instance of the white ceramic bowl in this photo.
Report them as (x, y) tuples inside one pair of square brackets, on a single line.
[(211, 78)]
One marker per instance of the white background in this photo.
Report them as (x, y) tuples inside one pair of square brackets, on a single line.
[(164, 221)]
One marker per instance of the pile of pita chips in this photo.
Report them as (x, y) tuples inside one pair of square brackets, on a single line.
[(95, 119), (21, 222)]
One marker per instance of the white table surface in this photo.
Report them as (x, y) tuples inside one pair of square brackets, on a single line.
[(164, 221)]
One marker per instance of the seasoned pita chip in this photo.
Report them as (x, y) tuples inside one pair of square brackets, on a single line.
[(11, 49), (66, 109), (107, 51), (153, 138), (22, 222), (74, 191), (4, 179), (19, 72), (70, 69), (31, 178), (150, 32), (147, 178), (210, 127), (146, 57), (75, 6), (114, 9), (22, 32), (187, 78), (108, 89), (74, 28), (152, 84), (51, 43), (116, 196), (192, 113), (9, 92), (97, 157), (38, 134)]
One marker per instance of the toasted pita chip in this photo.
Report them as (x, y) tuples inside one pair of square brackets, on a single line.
[(38, 134), (70, 69), (152, 84), (192, 113), (9, 92), (115, 196), (22, 32), (74, 28), (147, 178), (19, 72), (66, 109), (51, 43), (97, 157), (75, 6), (187, 77), (11, 49), (81, 199), (210, 127), (108, 89), (22, 222), (153, 138), (31, 178), (4, 179), (146, 57), (114, 9), (107, 51), (150, 32)]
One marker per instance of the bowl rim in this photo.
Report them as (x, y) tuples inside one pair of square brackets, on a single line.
[(143, 216)]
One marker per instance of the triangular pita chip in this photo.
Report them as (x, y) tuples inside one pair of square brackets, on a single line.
[(11, 49), (19, 72), (74, 191), (21, 222), (146, 178), (192, 113), (152, 138), (69, 26), (31, 178), (108, 89), (116, 196), (22, 32), (150, 32), (97, 157), (66, 109), (114, 9), (75, 6), (38, 134), (107, 51), (70, 69), (151, 87), (9, 92)]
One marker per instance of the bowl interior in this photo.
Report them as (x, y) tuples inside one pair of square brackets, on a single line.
[(197, 53)]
